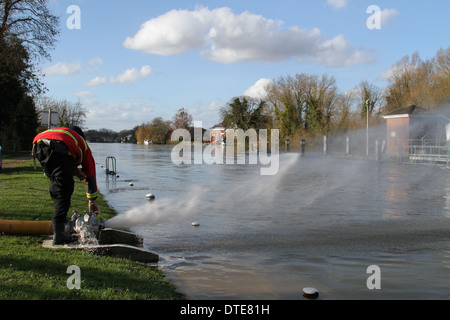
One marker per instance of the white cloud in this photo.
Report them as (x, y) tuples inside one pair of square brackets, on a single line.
[(130, 76), (95, 63), (175, 32), (84, 94), (96, 60), (86, 97), (249, 37), (337, 4), (207, 114), (258, 90), (226, 37), (387, 15), (97, 81), (117, 116), (62, 68), (389, 74), (340, 52)]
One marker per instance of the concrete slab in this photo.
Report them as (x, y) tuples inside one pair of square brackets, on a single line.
[(111, 242), (115, 236), (125, 251)]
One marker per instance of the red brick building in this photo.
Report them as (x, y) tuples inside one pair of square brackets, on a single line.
[(413, 125), (217, 134)]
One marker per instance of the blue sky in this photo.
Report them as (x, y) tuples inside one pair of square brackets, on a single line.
[(132, 61)]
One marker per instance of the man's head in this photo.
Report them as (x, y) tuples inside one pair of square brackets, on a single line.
[(77, 130)]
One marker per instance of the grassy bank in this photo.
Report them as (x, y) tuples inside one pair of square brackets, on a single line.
[(29, 271)]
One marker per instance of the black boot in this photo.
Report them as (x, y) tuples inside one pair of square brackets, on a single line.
[(60, 236)]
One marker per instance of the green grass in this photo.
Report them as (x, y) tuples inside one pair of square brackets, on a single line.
[(30, 272), (25, 196)]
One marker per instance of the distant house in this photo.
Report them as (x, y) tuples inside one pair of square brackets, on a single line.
[(217, 134), (413, 125)]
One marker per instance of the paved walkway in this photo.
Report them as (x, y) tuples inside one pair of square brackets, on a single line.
[(14, 162)]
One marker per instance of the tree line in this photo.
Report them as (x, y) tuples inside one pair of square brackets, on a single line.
[(27, 32), (158, 131), (305, 105)]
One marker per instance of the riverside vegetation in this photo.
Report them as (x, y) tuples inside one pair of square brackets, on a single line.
[(30, 272)]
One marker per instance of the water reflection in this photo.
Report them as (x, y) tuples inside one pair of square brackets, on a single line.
[(396, 194)]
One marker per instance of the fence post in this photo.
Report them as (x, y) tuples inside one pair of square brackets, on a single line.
[(325, 145), (347, 149), (302, 147), (377, 150)]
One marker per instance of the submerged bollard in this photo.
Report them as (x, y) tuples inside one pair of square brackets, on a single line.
[(310, 293), (325, 145), (377, 150), (347, 149), (302, 147)]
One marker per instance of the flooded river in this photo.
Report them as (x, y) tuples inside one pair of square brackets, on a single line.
[(320, 222)]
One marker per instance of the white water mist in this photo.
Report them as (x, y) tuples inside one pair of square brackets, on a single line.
[(256, 192)]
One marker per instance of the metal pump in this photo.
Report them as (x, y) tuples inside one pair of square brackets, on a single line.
[(87, 221)]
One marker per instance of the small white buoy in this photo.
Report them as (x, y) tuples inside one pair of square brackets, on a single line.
[(310, 293), (131, 184), (195, 224), (117, 176), (150, 196)]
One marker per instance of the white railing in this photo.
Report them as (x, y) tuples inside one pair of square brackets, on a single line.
[(429, 150)]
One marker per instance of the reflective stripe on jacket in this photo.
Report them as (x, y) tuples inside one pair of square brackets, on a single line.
[(79, 149)]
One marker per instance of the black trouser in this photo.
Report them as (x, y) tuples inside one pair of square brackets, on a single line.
[(58, 167)]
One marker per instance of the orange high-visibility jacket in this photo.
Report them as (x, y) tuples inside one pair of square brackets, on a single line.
[(79, 149)]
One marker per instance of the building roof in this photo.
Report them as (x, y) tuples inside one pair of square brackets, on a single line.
[(405, 112), (413, 110), (218, 127)]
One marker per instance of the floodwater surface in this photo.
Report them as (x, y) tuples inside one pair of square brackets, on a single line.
[(321, 221)]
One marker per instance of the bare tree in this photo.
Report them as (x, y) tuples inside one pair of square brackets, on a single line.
[(321, 95), (342, 116), (182, 120), (287, 98), (27, 32), (303, 103), (415, 81), (369, 98), (442, 76), (69, 113), (30, 24), (157, 131)]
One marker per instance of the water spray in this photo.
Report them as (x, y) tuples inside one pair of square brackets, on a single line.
[(87, 226)]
